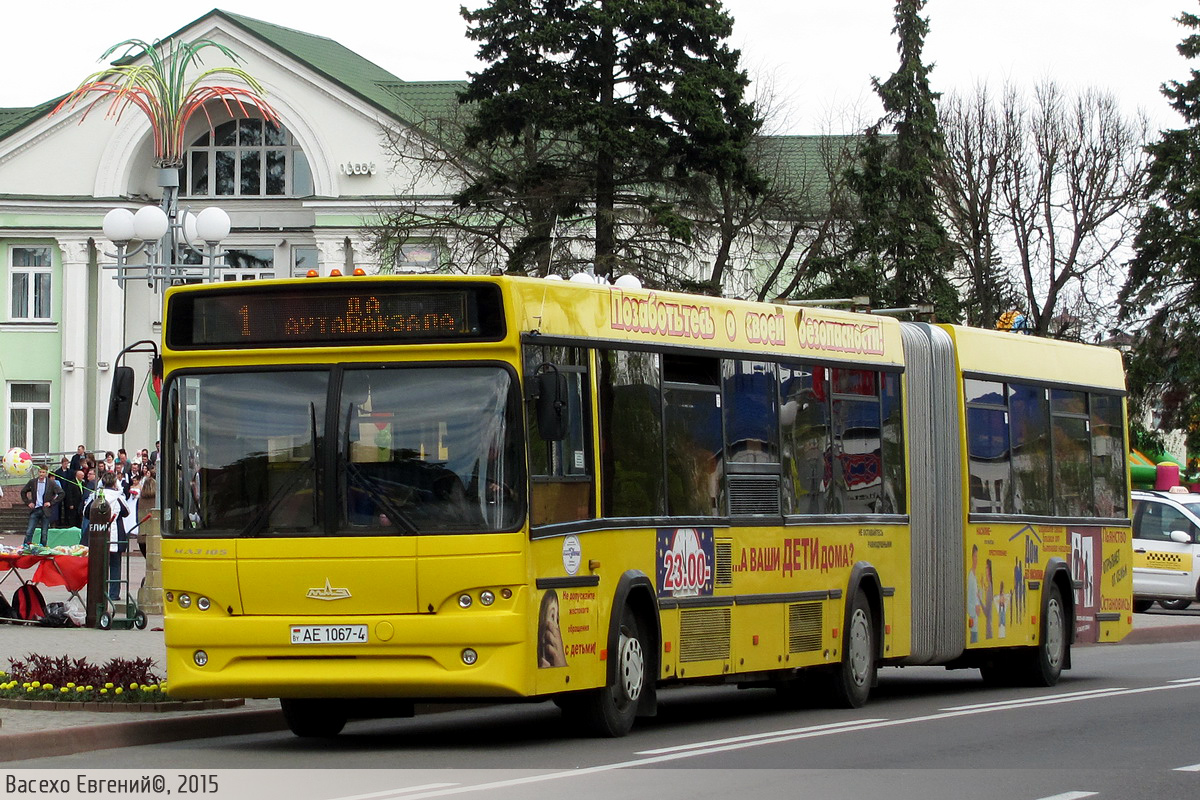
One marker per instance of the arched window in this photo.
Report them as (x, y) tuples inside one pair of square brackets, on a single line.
[(246, 158)]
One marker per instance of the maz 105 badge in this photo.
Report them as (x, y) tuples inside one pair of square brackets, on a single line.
[(685, 562)]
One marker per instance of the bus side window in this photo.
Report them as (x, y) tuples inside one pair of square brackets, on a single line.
[(561, 488)]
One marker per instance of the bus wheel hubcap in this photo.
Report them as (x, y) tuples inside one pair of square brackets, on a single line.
[(860, 648), (632, 666), (1054, 634)]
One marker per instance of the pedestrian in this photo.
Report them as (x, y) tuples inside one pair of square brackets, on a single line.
[(147, 504), (42, 494), (78, 460), (65, 477), (118, 539), (130, 518), (91, 484), (72, 500)]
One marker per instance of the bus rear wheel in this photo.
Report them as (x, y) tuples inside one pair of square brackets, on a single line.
[(313, 718), (1043, 665), (611, 710), (851, 681)]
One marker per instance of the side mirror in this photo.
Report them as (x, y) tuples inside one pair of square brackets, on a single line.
[(120, 400), (1182, 537), (552, 420)]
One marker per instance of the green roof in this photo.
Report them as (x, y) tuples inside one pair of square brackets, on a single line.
[(13, 119), (805, 162), (341, 65), (428, 98)]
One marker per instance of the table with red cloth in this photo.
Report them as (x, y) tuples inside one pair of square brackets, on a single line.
[(49, 570)]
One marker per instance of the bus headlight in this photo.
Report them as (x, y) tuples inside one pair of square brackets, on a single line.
[(185, 601), (203, 603), (469, 656), (200, 657), (464, 600), (487, 597)]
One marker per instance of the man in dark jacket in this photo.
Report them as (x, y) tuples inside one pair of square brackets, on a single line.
[(42, 494), (72, 505), (65, 477)]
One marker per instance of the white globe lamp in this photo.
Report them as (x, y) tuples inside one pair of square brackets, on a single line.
[(118, 225), (212, 225), (150, 223), (189, 228)]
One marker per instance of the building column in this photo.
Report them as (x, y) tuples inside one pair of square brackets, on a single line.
[(331, 254), (109, 333), (75, 324)]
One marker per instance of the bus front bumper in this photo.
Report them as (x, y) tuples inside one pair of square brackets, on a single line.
[(409, 656)]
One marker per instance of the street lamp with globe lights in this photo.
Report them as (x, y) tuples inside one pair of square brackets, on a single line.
[(154, 78), (167, 237)]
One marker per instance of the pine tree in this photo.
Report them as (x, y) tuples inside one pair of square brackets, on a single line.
[(901, 256), (637, 99), (1162, 291)]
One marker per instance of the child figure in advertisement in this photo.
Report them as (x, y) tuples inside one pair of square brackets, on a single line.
[(550, 644)]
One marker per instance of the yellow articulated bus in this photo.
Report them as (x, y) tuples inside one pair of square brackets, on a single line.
[(382, 490)]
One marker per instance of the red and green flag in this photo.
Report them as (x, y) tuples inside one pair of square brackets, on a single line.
[(154, 389)]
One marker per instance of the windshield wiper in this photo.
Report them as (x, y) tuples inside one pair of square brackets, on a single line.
[(289, 483), (397, 517), (394, 514)]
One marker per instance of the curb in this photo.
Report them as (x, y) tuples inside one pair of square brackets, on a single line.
[(17, 747), (1163, 634), (118, 707)]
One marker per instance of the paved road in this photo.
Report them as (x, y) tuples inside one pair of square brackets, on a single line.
[(1119, 726)]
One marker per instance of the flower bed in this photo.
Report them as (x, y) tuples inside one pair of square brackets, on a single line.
[(63, 683)]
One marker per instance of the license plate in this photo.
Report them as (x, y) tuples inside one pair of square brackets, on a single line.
[(329, 634)]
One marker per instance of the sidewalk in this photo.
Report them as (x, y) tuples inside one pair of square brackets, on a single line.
[(28, 734)]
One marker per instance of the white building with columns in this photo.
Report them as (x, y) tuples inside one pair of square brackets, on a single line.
[(299, 196)]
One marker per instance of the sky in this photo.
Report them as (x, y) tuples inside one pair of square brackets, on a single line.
[(817, 57)]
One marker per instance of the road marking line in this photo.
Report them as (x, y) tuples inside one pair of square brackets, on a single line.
[(751, 737), (1192, 768), (1184, 680), (399, 792), (779, 737), (1002, 703)]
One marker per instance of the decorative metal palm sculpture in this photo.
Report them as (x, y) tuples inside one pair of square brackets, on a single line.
[(162, 90)]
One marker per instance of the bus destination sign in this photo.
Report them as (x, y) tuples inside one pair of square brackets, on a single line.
[(321, 315)]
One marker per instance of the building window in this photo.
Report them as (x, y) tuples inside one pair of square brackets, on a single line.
[(304, 259), (419, 257), (29, 416), (246, 158), (31, 281), (241, 264)]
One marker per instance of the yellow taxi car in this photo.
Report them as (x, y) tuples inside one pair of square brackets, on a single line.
[(1166, 548)]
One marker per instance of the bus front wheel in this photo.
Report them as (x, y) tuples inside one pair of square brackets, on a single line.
[(1043, 665), (852, 679), (313, 718), (610, 711)]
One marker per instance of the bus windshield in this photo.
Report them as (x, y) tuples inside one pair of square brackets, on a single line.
[(406, 450)]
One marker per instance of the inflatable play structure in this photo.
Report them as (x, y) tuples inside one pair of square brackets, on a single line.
[(1157, 471)]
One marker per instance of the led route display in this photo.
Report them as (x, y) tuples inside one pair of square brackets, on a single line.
[(325, 315)]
